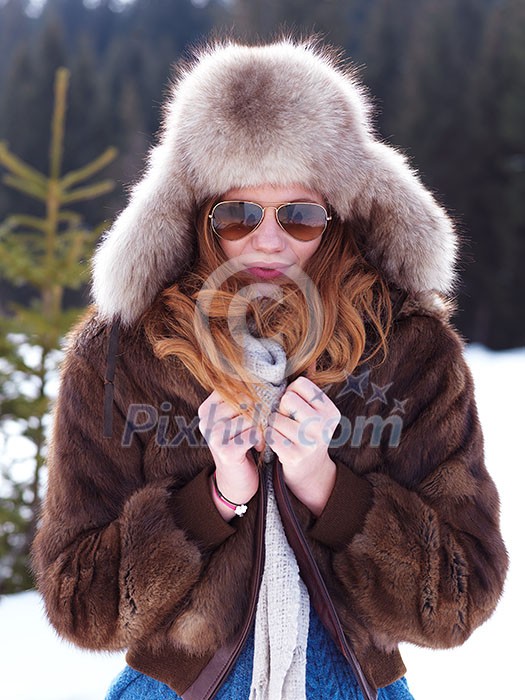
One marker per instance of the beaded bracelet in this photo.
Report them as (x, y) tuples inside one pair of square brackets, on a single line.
[(239, 508)]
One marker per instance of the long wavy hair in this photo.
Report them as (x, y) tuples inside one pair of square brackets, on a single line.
[(323, 327)]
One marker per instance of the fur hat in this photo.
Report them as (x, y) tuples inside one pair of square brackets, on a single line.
[(284, 113)]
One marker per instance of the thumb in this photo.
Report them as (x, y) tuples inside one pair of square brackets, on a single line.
[(259, 440)]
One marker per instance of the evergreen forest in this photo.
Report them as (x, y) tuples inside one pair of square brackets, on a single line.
[(448, 78)]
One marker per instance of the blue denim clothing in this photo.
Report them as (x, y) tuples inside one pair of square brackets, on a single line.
[(328, 676)]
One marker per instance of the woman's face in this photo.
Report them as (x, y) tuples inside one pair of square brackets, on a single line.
[(269, 245)]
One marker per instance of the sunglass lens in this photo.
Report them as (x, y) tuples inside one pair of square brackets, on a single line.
[(303, 221), (234, 220)]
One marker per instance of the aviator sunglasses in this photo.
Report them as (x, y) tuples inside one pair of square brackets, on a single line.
[(304, 221)]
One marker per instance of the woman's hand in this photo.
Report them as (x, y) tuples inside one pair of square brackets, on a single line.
[(299, 432), (230, 436)]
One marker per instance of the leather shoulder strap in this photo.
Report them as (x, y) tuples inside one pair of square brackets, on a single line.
[(110, 378), (207, 684), (313, 579), (398, 302)]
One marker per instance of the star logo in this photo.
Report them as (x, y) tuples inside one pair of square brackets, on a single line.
[(399, 405), (379, 393), (355, 385)]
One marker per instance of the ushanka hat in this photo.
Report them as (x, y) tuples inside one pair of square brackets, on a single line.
[(284, 113)]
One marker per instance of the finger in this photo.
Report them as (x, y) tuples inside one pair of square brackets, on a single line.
[(240, 424), (217, 398), (241, 407), (283, 423), (310, 392), (244, 401), (302, 384), (275, 439), (260, 440), (307, 432), (283, 426), (295, 407), (220, 410), (213, 399), (229, 426), (246, 438)]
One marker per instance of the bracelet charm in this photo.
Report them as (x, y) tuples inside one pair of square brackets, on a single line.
[(239, 508)]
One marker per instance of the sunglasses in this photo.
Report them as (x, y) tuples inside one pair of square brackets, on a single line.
[(304, 221)]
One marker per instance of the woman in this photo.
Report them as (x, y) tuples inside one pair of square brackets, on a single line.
[(266, 468)]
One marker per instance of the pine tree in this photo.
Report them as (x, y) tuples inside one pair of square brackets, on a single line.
[(47, 252)]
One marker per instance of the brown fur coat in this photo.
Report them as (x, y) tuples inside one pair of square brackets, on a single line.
[(132, 553)]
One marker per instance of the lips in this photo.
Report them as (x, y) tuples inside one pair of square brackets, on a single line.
[(268, 265), (266, 272)]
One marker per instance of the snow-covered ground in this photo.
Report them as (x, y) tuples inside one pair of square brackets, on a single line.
[(36, 665)]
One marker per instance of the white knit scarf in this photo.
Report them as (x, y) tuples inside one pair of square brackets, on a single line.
[(282, 618)]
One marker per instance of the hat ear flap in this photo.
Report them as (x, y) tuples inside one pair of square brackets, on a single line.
[(410, 237), (148, 244)]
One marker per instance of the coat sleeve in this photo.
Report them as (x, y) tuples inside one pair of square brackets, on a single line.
[(415, 542), (112, 558)]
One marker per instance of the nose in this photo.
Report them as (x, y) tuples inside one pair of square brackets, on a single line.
[(269, 236)]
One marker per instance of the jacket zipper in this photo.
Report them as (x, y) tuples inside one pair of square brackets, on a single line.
[(228, 655), (314, 581)]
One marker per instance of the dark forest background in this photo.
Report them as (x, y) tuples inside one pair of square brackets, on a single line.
[(448, 77)]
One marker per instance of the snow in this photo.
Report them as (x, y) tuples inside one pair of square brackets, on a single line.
[(36, 665)]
